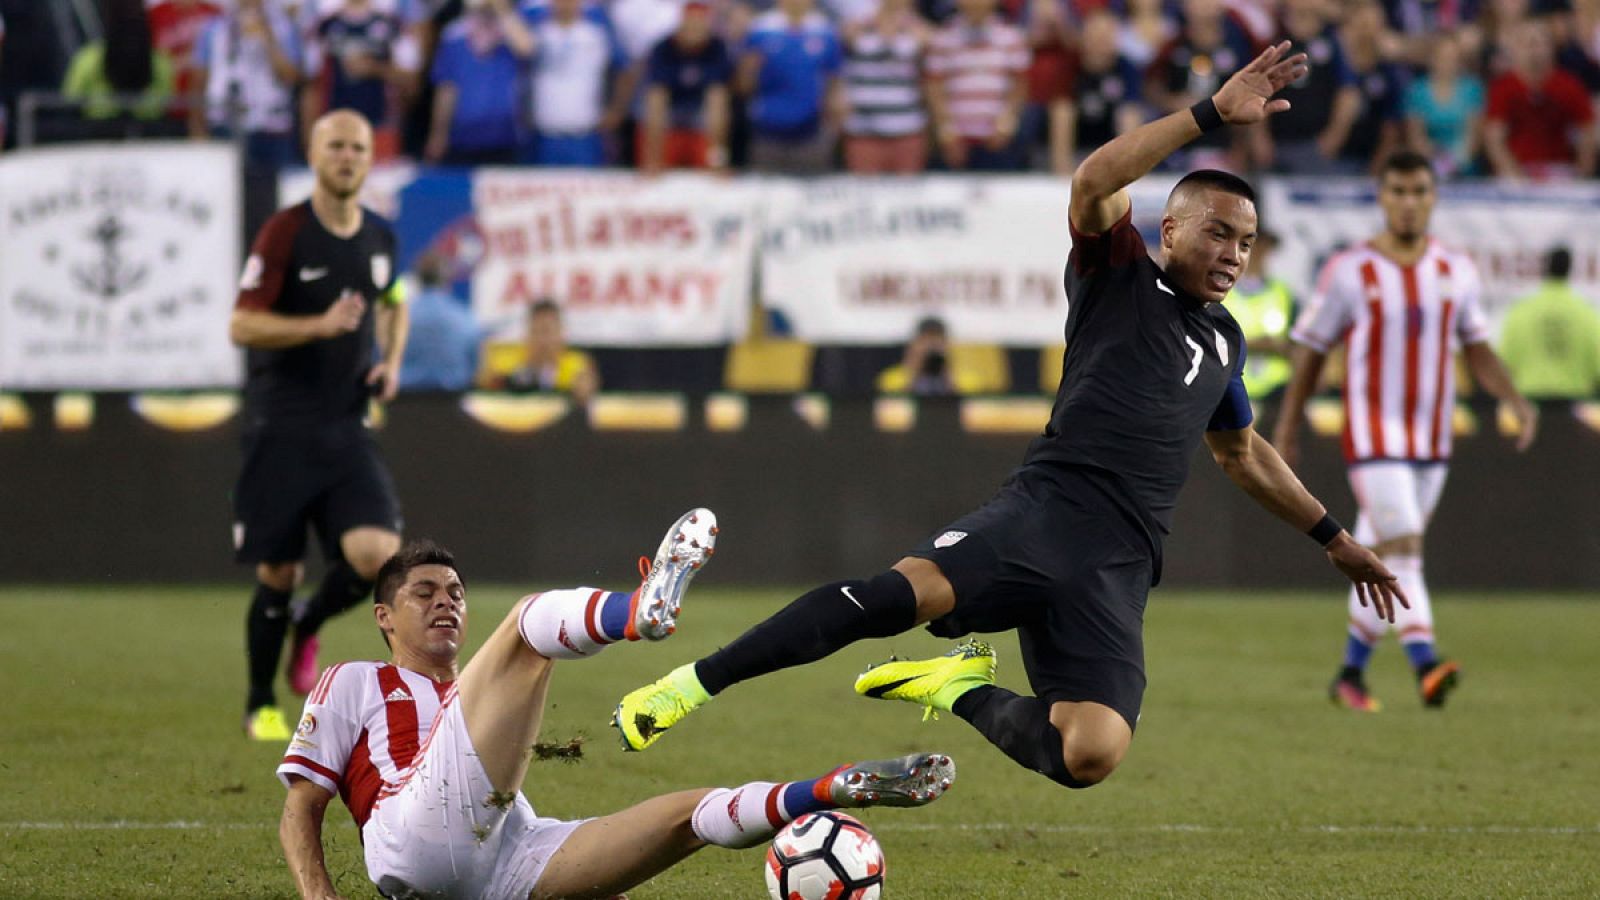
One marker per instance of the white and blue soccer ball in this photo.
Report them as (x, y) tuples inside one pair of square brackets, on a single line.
[(825, 856)]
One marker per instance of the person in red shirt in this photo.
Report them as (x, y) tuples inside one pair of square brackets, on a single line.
[(175, 26), (1540, 122)]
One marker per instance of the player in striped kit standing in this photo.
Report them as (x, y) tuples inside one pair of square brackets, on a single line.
[(429, 757), (1403, 304)]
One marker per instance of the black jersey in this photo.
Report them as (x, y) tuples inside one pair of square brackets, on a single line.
[(1148, 370), (299, 268)]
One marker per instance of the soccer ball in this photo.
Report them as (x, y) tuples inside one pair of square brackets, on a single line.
[(825, 856)]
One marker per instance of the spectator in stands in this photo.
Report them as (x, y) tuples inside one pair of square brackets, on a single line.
[(1540, 121), (1048, 26), (362, 58), (1379, 128), (685, 124), (1306, 138), (887, 129), (1103, 95), (1145, 26), (1550, 340), (1415, 25), (122, 65), (1444, 111), (477, 71), (1205, 53), (789, 71), (442, 353), (641, 25), (925, 369), (576, 52), (247, 68), (175, 29), (547, 363), (976, 87)]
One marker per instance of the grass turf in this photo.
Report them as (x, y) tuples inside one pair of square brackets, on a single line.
[(125, 774)]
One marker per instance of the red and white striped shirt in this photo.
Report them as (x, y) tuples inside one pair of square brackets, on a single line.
[(976, 68), (364, 725), (1402, 326)]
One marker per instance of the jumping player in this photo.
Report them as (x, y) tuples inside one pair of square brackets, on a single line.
[(430, 760), (1068, 549), (318, 291), (1402, 304)]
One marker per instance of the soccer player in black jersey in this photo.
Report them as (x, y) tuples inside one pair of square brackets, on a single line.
[(1068, 549), (318, 295)]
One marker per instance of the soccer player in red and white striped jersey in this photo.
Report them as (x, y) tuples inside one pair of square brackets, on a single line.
[(1403, 304), (431, 764)]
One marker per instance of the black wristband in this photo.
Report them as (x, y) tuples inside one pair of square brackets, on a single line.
[(1326, 529), (1206, 115)]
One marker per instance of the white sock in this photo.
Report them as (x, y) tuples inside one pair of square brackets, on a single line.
[(1414, 624), (740, 817), (563, 624)]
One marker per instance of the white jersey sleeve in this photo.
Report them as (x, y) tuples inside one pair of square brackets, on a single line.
[(1472, 326), (1331, 310), (328, 729)]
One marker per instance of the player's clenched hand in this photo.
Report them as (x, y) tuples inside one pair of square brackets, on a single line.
[(1247, 96), (1527, 416), (344, 315), (1375, 584), (384, 381)]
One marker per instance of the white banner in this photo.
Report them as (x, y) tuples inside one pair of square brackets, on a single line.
[(1507, 229), (118, 265), (632, 261), (859, 261)]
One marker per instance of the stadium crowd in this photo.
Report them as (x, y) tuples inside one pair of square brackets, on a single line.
[(1485, 87)]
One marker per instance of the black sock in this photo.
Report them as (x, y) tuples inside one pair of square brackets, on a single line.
[(1020, 726), (264, 628), (341, 588), (1351, 674), (810, 628)]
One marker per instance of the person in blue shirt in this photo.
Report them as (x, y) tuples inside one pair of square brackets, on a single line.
[(442, 354), (477, 71), (1444, 110), (789, 70)]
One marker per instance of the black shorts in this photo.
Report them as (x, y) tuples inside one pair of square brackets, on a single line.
[(1049, 557), (333, 479)]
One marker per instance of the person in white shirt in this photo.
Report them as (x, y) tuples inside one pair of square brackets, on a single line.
[(429, 757)]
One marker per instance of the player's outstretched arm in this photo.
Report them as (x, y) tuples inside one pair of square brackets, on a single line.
[(300, 832), (1256, 467), (1489, 371), (1099, 195)]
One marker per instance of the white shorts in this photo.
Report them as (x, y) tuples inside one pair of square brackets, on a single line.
[(1396, 498), (442, 835)]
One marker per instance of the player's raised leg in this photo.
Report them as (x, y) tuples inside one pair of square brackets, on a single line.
[(348, 581), (610, 854), (502, 689), (1073, 743), (814, 626)]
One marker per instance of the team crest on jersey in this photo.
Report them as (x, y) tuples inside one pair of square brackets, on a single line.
[(380, 269), (307, 727), (1222, 346), (948, 539)]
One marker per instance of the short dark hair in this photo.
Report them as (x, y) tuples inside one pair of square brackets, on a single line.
[(544, 305), (1215, 180), (1558, 264), (1407, 161), (932, 325), (420, 552)]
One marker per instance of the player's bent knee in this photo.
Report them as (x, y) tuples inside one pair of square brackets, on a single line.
[(1088, 767), (280, 576)]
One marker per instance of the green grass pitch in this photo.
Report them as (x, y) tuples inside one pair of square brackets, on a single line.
[(124, 773)]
